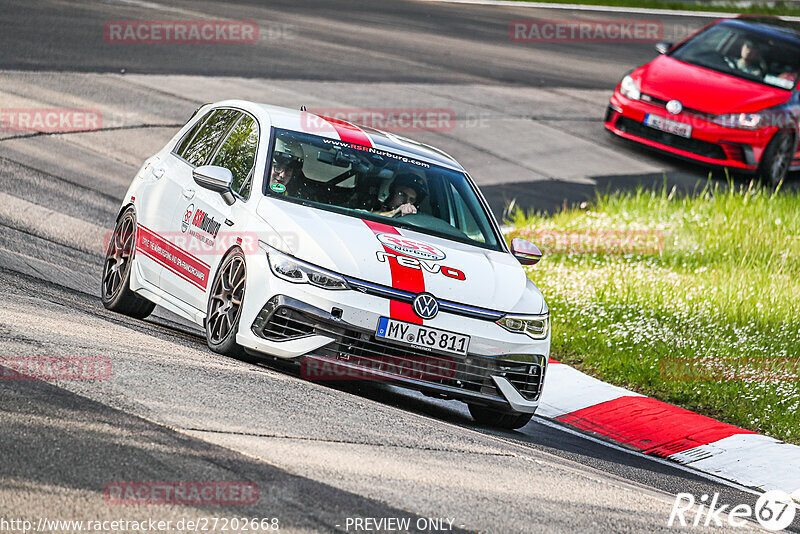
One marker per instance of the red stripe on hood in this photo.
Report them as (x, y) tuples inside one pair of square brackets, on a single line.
[(349, 133), (404, 278)]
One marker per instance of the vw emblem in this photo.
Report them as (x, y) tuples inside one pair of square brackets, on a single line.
[(674, 106), (425, 306)]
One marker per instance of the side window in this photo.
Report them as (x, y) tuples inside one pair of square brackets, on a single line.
[(203, 143), (464, 220), (190, 135), (238, 154)]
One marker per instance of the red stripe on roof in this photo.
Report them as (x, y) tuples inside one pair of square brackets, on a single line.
[(653, 426), (349, 133), (404, 278)]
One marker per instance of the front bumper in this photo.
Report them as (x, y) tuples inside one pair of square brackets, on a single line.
[(338, 336), (709, 143), (344, 351)]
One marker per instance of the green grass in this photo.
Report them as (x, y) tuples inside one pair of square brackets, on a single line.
[(779, 9), (710, 322)]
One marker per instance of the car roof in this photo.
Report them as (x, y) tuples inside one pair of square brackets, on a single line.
[(772, 26), (302, 121)]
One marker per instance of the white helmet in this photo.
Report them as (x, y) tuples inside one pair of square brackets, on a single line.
[(288, 151)]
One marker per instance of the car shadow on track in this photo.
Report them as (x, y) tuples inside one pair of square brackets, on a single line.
[(541, 435)]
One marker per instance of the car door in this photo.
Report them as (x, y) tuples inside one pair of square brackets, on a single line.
[(194, 149), (203, 222), (158, 198)]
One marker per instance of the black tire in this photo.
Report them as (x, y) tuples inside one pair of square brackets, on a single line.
[(225, 305), (777, 158), (498, 418), (115, 287)]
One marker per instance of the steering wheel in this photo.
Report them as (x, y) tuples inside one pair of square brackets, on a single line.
[(730, 62)]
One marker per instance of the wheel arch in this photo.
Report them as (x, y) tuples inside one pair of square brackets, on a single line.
[(213, 276), (123, 209), (231, 250)]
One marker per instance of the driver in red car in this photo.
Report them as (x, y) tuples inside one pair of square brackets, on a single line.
[(750, 60), (405, 194)]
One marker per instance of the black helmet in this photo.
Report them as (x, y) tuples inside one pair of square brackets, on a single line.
[(413, 181)]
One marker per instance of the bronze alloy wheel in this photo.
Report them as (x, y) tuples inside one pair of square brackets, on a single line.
[(115, 290), (225, 304)]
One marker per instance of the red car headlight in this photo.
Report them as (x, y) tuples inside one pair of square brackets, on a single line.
[(743, 121), (629, 88)]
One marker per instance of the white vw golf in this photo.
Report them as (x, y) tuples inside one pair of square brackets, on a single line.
[(359, 254)]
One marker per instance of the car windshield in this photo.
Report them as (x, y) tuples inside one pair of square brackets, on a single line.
[(374, 184), (744, 53)]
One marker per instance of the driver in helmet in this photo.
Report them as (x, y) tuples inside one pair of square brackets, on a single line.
[(405, 195), (287, 167)]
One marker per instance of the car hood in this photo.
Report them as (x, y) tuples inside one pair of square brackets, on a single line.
[(703, 89), (353, 247)]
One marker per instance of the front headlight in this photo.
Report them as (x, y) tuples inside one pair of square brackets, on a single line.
[(300, 272), (534, 326), (629, 88), (744, 121)]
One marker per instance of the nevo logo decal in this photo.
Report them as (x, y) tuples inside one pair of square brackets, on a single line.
[(411, 247)]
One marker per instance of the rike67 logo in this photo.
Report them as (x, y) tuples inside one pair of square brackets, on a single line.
[(774, 510)]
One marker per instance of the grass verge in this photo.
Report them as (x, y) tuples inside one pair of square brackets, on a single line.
[(694, 300), (777, 8)]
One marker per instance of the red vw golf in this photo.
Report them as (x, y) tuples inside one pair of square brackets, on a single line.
[(725, 96)]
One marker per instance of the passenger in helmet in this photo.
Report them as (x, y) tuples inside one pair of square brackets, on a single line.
[(287, 166), (405, 195)]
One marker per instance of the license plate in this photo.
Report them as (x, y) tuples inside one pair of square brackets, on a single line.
[(666, 125), (415, 335)]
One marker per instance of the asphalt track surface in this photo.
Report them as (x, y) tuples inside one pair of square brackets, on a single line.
[(528, 128)]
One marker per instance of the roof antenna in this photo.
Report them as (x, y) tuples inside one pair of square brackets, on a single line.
[(302, 108)]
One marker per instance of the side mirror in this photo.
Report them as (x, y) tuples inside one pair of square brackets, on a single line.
[(526, 252), (663, 47), (217, 179)]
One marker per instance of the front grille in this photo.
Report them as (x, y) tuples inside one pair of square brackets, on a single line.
[(361, 348), (695, 146), (733, 151), (661, 103), (283, 326), (526, 378)]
